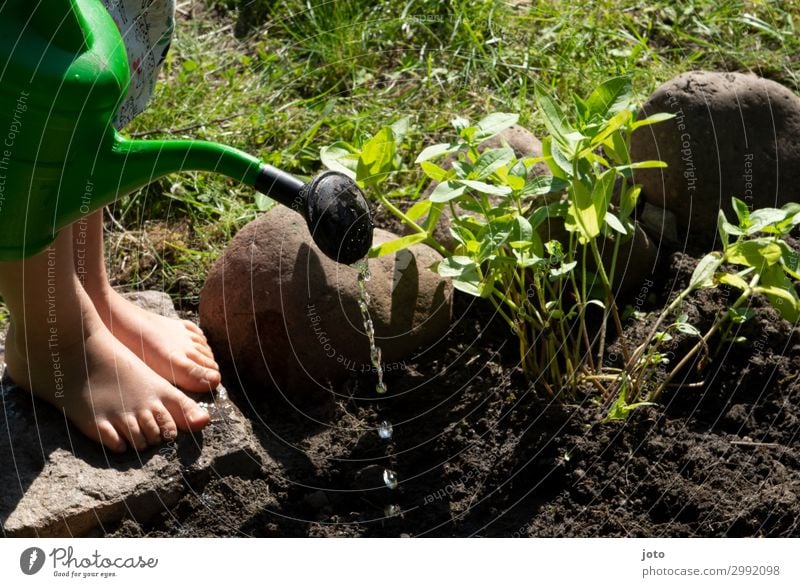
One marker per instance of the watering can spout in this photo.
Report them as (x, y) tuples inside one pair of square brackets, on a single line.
[(334, 207)]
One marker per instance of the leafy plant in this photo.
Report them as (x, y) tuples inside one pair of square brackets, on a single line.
[(760, 261), (499, 213)]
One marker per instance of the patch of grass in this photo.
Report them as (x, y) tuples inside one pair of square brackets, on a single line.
[(309, 73)]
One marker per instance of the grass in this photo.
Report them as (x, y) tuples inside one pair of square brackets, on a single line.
[(307, 73)]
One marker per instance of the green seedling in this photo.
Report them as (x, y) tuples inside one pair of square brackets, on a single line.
[(755, 259)]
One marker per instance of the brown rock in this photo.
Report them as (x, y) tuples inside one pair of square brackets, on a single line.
[(733, 135), (277, 311)]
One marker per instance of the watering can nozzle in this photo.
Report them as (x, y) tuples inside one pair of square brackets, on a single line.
[(334, 206)]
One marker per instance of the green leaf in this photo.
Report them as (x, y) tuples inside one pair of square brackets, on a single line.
[(687, 328), (642, 165), (418, 210), (779, 290), (494, 124), (341, 157), (654, 119), (552, 210), (703, 274), (543, 184), (484, 188), (732, 279), (437, 151), (433, 171), (559, 160), (554, 118), (765, 218), (396, 245), (562, 269), (620, 409), (446, 191), (742, 212), (492, 238), (615, 223), (377, 157), (611, 127), (610, 97), (456, 266), (629, 199), (464, 273), (521, 230), (726, 229), (490, 161), (588, 210), (757, 253), (462, 234)]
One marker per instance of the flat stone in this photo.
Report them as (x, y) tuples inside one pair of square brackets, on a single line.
[(279, 314), (157, 302), (58, 483), (733, 134)]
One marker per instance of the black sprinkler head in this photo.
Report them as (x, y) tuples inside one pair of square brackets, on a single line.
[(334, 206), (338, 217)]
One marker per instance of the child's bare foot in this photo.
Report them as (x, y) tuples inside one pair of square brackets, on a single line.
[(103, 388), (175, 349)]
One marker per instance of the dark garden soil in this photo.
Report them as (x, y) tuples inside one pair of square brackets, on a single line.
[(478, 451)]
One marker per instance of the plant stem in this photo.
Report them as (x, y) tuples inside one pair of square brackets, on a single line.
[(431, 242), (703, 342), (610, 302)]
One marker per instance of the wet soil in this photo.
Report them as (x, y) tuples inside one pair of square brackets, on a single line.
[(480, 451)]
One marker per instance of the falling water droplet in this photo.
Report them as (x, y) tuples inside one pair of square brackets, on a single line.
[(390, 478), (391, 510), (385, 430), (369, 328)]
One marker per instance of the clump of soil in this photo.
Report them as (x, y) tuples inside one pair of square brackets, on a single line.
[(480, 451)]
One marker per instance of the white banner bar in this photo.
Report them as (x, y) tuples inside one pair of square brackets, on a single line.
[(400, 562)]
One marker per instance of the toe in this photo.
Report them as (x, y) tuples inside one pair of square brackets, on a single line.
[(193, 376), (149, 427), (204, 349), (109, 437), (194, 328), (128, 426), (166, 423), (203, 359), (187, 414)]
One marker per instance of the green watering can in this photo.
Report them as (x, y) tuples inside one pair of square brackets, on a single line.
[(63, 75)]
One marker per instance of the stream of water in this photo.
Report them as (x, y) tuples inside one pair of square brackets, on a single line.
[(385, 429)]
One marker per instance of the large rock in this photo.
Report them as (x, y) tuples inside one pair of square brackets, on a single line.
[(58, 483), (278, 311), (733, 135)]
